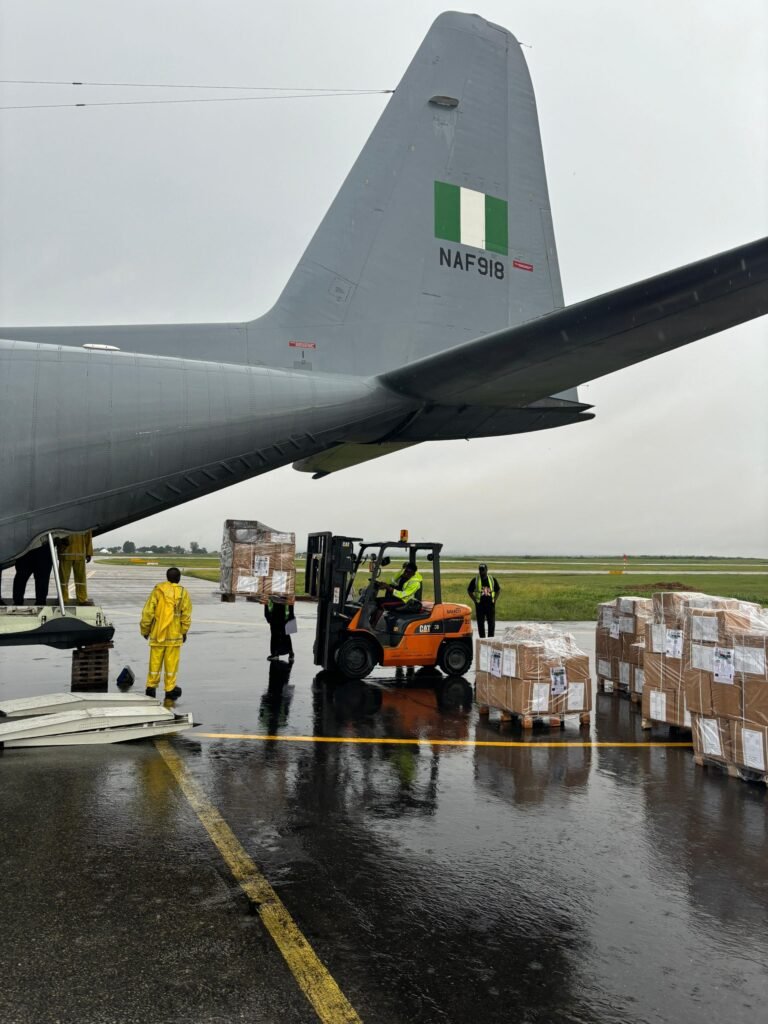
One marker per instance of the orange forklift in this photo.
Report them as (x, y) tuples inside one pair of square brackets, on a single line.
[(355, 633)]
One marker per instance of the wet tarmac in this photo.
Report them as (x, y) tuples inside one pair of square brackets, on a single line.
[(435, 881)]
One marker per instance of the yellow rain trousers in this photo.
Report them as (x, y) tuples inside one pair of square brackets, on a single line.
[(166, 618), (72, 561)]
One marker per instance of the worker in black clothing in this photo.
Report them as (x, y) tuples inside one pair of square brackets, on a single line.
[(37, 563), (484, 591), (278, 614)]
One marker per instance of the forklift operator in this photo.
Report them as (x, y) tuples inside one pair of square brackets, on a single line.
[(403, 590)]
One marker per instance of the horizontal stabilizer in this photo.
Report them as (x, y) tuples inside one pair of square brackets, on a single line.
[(343, 456), (518, 365)]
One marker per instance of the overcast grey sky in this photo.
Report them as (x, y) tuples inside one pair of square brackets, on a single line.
[(654, 118)]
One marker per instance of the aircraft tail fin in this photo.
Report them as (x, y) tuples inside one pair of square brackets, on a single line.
[(441, 231)]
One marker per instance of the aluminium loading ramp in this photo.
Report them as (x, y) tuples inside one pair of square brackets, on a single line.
[(93, 726), (51, 703)]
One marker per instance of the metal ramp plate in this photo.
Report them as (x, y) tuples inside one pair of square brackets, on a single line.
[(93, 725), (52, 703)]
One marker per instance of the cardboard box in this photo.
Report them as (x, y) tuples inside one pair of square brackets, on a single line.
[(665, 706), (755, 702), (710, 625), (604, 668), (697, 684), (602, 633), (257, 561), (712, 738), (663, 673), (727, 698), (750, 746), (634, 606)]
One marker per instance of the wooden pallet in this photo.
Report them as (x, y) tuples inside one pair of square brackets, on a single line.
[(674, 730), (733, 771), (532, 721), (90, 665)]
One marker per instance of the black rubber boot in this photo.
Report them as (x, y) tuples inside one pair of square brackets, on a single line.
[(173, 694), (151, 691)]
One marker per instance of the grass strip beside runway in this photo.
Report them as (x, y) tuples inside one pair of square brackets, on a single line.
[(329, 1002)]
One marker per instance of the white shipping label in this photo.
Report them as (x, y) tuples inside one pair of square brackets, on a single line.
[(723, 660), (709, 734), (658, 706), (627, 623), (703, 628), (261, 565), (604, 669), (624, 671), (673, 648), (248, 584), (750, 659), (606, 616), (496, 663), (559, 681), (701, 657), (658, 637), (752, 746), (482, 658), (336, 595), (576, 697), (509, 662), (686, 716), (279, 582), (540, 702), (626, 605), (615, 629), (639, 680), (282, 538)]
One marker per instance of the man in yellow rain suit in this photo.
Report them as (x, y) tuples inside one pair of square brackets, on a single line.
[(75, 551), (165, 622)]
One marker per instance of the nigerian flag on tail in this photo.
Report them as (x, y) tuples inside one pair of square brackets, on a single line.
[(471, 218)]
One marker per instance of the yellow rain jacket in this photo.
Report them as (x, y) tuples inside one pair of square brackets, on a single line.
[(167, 615), (78, 545)]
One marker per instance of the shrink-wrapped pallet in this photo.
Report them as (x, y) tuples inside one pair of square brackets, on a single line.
[(533, 670), (257, 561), (620, 625)]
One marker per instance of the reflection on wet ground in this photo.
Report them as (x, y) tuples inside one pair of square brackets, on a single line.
[(450, 881)]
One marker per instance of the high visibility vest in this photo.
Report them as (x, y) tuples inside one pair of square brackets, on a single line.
[(411, 589), (479, 588)]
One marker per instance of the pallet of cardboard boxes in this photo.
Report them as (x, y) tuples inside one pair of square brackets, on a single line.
[(533, 673), (620, 643), (257, 562), (703, 666)]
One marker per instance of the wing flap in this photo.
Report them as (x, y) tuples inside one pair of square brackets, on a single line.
[(344, 456), (545, 356)]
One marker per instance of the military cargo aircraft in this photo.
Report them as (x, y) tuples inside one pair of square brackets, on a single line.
[(427, 306)]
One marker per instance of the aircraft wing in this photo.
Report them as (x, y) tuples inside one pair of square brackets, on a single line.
[(542, 357)]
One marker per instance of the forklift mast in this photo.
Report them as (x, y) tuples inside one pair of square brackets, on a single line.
[(331, 563)]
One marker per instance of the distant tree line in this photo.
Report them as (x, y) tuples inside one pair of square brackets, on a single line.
[(129, 548)]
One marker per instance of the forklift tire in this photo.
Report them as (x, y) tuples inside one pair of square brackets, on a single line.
[(455, 658), (355, 658)]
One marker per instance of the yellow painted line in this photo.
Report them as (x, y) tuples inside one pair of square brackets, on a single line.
[(533, 744), (330, 1003)]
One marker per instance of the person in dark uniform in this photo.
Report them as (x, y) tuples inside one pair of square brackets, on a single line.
[(37, 563), (278, 614), (484, 591)]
